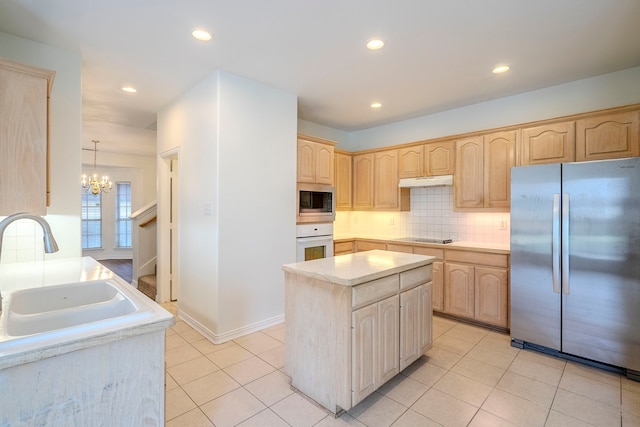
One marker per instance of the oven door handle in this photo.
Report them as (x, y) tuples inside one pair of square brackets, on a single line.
[(314, 238)]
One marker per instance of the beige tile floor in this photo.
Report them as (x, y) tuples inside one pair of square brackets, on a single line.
[(471, 377)]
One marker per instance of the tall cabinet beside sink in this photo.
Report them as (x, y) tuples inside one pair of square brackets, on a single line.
[(354, 322), (24, 138)]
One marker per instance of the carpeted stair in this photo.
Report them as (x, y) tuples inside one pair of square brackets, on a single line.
[(147, 285)]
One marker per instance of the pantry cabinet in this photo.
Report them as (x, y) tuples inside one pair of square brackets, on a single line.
[(24, 138), (550, 143), (609, 136), (315, 161), (343, 180), (483, 172)]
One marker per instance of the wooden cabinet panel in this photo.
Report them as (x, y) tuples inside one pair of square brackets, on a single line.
[(306, 163), (315, 162), (553, 143), (422, 250), (491, 295), (24, 133), (426, 317), (385, 188), (343, 179), (389, 339), (499, 157), (607, 137), (376, 346), (324, 164), (459, 287), (468, 183), (363, 181), (439, 158), (410, 162), (437, 300), (363, 245), (365, 354), (410, 338), (399, 248), (472, 257), (341, 248)]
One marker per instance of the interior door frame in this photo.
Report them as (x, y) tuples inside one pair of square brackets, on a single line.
[(164, 272)]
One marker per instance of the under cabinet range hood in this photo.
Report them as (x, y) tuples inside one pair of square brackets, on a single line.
[(427, 181)]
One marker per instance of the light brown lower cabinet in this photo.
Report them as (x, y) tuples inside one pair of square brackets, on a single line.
[(477, 292)]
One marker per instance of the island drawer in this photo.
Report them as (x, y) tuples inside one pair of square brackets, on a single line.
[(375, 290), (417, 276)]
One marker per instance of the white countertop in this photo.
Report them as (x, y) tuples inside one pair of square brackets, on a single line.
[(23, 349), (354, 269)]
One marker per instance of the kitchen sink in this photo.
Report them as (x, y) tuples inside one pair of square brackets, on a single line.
[(49, 308)]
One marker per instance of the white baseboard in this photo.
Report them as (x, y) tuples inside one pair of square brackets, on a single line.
[(231, 335)]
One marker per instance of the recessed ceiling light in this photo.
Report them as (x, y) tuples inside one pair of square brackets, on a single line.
[(501, 69), (200, 34), (375, 44), (376, 105), (129, 89)]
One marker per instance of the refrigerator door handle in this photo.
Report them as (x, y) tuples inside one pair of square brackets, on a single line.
[(565, 243), (555, 244)]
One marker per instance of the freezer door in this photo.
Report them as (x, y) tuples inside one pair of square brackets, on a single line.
[(601, 293), (535, 284)]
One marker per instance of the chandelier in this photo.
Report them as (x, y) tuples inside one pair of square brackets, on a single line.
[(93, 184)]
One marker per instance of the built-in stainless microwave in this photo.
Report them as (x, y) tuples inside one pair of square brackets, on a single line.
[(316, 203)]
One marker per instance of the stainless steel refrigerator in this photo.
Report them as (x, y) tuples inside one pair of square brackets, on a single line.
[(575, 261)]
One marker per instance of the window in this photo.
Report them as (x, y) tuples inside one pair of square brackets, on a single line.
[(123, 211), (91, 221)]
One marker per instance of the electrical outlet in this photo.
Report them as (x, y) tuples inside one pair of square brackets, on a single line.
[(392, 220), (503, 224)]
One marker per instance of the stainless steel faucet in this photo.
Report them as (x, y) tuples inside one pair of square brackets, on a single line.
[(50, 244)]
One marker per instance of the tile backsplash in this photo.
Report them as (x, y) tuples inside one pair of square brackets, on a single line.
[(22, 242), (431, 215)]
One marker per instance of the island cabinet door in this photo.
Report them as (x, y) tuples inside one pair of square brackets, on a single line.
[(375, 344), (416, 320)]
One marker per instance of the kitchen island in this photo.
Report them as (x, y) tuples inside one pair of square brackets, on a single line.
[(79, 346), (355, 321)]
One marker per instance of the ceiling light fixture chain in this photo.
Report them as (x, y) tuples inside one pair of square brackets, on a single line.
[(93, 184)]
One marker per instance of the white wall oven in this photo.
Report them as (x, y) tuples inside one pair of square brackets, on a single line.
[(315, 203), (314, 241)]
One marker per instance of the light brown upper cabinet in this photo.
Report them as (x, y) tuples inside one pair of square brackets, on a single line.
[(439, 158), (363, 181), (315, 160), (24, 138), (552, 143), (483, 171), (607, 137), (375, 182), (385, 180), (343, 179), (410, 162), (431, 159)]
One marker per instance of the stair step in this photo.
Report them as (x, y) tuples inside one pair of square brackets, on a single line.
[(147, 285)]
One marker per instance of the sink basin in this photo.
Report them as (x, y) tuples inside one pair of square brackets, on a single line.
[(37, 310)]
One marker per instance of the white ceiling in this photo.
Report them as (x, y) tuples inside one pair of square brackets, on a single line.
[(438, 55)]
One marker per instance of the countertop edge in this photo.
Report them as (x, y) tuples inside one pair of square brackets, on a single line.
[(303, 269), (467, 246)]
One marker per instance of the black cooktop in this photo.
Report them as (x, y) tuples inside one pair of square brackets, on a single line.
[(423, 240)]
